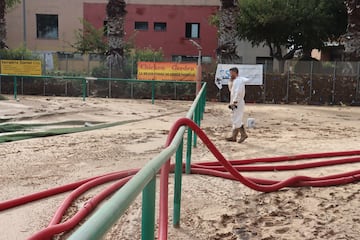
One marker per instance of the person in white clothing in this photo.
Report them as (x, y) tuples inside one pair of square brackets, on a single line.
[(237, 104)]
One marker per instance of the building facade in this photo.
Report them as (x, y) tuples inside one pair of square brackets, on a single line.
[(48, 26)]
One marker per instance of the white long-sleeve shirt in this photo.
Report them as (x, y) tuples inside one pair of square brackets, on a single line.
[(237, 89)]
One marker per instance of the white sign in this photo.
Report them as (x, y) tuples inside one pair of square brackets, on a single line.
[(253, 72)]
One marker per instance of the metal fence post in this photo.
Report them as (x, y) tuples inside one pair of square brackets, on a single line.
[(357, 83), (333, 88), (132, 90), (22, 86), (109, 88), (311, 80), (265, 72), (44, 91), (84, 88), (66, 88), (15, 88), (152, 91), (288, 83), (175, 92)]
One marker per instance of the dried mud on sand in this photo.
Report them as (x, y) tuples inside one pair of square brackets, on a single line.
[(212, 208)]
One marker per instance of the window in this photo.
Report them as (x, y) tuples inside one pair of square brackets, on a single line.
[(192, 30), (267, 62), (105, 27), (68, 55), (160, 26), (182, 58), (47, 26), (144, 26)]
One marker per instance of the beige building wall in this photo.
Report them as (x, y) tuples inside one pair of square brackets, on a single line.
[(69, 14)]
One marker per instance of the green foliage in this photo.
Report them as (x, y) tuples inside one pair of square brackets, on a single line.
[(143, 55), (20, 53), (101, 71), (303, 25), (90, 39), (11, 3), (148, 55)]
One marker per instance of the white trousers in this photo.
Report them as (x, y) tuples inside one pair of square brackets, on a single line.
[(237, 115)]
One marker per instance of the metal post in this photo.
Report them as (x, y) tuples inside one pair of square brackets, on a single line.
[(288, 84), (333, 88), (357, 83), (265, 72), (199, 70), (188, 151), (22, 86), (109, 88), (196, 120), (0, 84), (311, 80), (15, 88), (132, 90), (152, 91), (148, 210), (175, 92), (177, 184), (66, 88), (84, 88)]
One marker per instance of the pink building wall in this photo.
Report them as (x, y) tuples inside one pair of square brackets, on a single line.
[(172, 41)]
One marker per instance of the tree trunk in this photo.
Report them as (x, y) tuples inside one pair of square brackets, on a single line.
[(2, 25), (351, 39), (226, 52), (116, 12)]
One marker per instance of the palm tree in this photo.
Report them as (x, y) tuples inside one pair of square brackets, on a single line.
[(4, 5), (116, 12), (226, 51), (351, 39), (2, 24)]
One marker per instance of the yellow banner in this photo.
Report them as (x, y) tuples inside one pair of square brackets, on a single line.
[(167, 71), (21, 67)]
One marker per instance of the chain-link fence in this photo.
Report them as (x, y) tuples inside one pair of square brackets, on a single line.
[(303, 82), (96, 87)]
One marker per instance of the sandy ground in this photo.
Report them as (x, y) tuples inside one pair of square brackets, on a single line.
[(212, 208)]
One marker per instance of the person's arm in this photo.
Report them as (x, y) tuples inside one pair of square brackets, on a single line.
[(236, 89)]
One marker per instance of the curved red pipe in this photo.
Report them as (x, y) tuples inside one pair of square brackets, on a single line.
[(217, 169), (56, 228), (249, 182)]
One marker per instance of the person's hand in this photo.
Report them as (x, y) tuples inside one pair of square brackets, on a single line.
[(232, 106)]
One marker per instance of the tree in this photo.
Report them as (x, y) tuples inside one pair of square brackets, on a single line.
[(90, 39), (116, 12), (351, 39), (295, 24), (226, 52), (4, 4)]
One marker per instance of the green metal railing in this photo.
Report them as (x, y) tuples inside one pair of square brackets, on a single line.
[(145, 181), (85, 82)]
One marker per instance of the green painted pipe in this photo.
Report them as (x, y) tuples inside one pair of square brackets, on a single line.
[(102, 220), (177, 185), (108, 214), (148, 210)]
